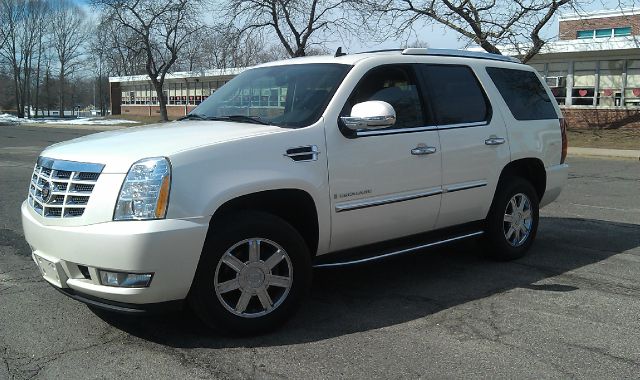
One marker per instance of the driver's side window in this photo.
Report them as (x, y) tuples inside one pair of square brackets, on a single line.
[(395, 85)]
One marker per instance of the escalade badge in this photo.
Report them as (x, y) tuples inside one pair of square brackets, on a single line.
[(46, 192)]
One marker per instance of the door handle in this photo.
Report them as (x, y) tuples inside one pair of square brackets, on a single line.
[(423, 150), (494, 140)]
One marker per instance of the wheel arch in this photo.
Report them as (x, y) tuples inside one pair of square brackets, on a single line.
[(297, 207), (531, 169)]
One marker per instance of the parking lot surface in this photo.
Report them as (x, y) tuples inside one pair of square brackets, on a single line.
[(571, 308)]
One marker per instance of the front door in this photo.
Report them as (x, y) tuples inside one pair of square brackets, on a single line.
[(384, 183)]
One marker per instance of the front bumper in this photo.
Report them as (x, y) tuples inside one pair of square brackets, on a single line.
[(556, 179), (169, 248)]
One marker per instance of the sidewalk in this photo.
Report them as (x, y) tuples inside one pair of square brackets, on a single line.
[(595, 152)]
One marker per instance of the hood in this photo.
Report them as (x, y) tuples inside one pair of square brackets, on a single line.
[(118, 150)]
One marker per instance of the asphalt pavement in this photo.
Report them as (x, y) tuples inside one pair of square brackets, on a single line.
[(571, 308)]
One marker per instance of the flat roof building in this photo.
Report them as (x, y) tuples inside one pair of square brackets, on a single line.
[(135, 95), (593, 70)]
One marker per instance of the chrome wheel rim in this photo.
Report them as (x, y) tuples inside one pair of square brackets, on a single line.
[(518, 220), (253, 277)]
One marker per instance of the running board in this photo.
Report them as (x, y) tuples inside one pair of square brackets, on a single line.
[(399, 252)]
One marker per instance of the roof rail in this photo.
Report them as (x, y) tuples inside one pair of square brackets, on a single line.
[(379, 51), (459, 53)]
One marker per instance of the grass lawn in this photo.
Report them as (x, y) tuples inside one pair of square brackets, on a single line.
[(140, 119), (622, 138)]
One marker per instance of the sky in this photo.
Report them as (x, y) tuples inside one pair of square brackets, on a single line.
[(435, 36)]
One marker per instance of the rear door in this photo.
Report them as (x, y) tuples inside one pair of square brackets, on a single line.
[(473, 139)]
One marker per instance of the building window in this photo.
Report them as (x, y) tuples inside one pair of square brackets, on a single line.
[(603, 33), (632, 89), (610, 83), (584, 83), (557, 80), (585, 34), (620, 32)]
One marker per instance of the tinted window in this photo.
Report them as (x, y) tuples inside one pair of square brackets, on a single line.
[(455, 94), (395, 85), (287, 96), (523, 93)]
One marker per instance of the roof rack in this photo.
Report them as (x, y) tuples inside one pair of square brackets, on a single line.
[(459, 53)]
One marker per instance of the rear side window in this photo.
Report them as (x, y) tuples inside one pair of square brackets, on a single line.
[(524, 94), (455, 94)]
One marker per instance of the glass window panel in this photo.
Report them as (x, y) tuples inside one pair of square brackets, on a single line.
[(584, 65), (539, 67), (583, 34), (584, 79), (618, 32), (603, 33), (456, 95), (559, 66), (633, 64), (524, 94)]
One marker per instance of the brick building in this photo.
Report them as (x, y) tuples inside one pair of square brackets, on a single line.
[(134, 95), (593, 69)]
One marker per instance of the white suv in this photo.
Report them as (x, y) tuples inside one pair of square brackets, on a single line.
[(309, 162)]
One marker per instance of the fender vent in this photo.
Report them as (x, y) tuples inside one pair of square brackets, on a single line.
[(303, 153)]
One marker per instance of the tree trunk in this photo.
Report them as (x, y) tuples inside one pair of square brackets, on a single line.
[(16, 84), (162, 100), (61, 94)]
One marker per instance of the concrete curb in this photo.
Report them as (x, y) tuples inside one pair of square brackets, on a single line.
[(595, 152)]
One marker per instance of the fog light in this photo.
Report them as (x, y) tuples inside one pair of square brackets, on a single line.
[(125, 280)]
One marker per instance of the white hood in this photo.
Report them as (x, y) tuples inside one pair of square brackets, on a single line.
[(118, 150)]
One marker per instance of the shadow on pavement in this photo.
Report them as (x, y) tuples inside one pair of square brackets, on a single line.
[(350, 300)]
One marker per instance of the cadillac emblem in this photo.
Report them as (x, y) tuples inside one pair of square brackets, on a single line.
[(46, 192)]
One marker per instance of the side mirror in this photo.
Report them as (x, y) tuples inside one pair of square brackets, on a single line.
[(373, 114)]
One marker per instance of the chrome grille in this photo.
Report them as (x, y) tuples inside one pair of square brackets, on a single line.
[(61, 189)]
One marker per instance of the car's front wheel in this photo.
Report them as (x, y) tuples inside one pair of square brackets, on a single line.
[(253, 273)]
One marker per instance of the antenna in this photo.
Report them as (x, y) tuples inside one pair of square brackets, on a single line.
[(339, 52)]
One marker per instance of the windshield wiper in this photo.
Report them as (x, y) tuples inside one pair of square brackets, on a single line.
[(238, 118), (248, 119), (194, 116)]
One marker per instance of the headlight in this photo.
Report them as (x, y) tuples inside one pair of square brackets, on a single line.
[(145, 191)]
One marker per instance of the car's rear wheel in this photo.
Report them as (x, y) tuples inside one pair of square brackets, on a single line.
[(253, 273), (512, 222)]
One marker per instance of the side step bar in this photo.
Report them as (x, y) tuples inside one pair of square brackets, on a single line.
[(399, 252)]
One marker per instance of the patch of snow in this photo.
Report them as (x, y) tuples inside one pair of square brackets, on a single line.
[(79, 121)]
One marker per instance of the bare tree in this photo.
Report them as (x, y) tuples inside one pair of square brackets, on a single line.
[(299, 25), (161, 29), (119, 59), (22, 30), (487, 23), (68, 33)]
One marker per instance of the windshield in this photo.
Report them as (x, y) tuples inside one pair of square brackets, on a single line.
[(288, 96)]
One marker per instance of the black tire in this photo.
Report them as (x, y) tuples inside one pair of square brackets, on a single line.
[(214, 309), (498, 246)]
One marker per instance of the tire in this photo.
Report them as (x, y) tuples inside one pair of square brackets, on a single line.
[(254, 270), (509, 238)]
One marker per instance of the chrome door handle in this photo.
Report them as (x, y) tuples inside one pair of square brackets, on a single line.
[(422, 150), (493, 140)]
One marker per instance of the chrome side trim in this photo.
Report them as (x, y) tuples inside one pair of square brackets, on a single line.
[(420, 129), (464, 186), (400, 252), (463, 125), (397, 130), (359, 204), (70, 166)]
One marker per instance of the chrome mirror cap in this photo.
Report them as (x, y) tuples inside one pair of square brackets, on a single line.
[(373, 114)]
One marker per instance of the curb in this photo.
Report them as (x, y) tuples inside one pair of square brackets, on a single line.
[(613, 153)]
